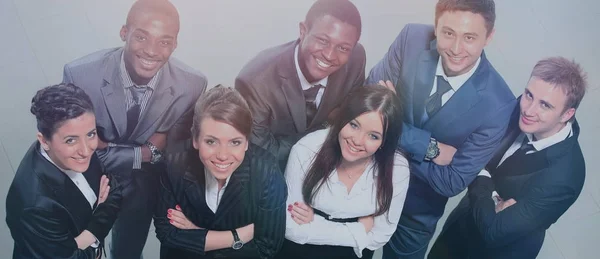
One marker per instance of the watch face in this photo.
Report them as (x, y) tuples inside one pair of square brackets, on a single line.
[(237, 245)]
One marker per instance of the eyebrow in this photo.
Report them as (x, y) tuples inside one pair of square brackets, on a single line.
[(215, 138)]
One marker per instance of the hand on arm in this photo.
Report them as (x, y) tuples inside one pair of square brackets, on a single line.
[(446, 154), (301, 213)]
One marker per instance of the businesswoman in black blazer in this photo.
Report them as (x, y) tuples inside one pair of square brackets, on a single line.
[(60, 203), (226, 197)]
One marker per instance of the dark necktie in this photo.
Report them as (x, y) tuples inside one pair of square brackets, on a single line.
[(310, 95), (133, 114), (434, 102), (525, 147)]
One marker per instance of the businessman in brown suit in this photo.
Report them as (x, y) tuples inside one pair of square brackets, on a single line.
[(292, 88)]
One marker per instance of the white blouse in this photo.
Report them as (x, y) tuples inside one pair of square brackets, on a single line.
[(334, 199)]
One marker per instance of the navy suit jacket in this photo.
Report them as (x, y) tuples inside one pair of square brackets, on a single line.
[(473, 121), (544, 184)]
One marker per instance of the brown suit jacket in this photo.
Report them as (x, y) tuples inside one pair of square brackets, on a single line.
[(271, 86)]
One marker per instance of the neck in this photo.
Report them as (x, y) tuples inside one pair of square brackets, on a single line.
[(347, 165), (221, 183)]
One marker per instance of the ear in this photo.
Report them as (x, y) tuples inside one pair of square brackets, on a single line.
[(247, 144), (490, 36), (194, 143), (303, 30), (123, 33), (567, 115), (43, 141)]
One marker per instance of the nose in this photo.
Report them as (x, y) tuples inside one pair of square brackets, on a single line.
[(359, 139), (86, 149), (456, 46), (329, 53), (529, 108), (150, 49), (222, 153)]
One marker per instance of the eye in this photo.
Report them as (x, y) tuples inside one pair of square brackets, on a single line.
[(344, 49), (165, 43), (353, 125), (449, 34), (528, 95), (374, 136), (545, 105), (469, 38), (236, 143), (91, 134), (209, 142), (322, 41), (70, 141), (140, 38)]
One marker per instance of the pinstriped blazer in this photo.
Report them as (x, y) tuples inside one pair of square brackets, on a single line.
[(256, 193)]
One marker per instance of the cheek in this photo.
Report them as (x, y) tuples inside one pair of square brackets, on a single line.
[(239, 153)]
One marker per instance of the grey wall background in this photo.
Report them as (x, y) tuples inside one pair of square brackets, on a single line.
[(219, 37)]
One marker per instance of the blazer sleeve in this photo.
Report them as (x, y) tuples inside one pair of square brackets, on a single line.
[(470, 157), (541, 206), (192, 240), (413, 140), (106, 213), (261, 122), (45, 235)]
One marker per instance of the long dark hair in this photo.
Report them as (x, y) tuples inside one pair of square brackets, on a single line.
[(359, 101)]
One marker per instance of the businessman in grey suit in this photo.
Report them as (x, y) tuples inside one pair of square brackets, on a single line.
[(292, 88), (142, 98), (457, 109)]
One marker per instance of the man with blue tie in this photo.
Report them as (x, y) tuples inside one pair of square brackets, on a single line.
[(457, 109), (536, 175)]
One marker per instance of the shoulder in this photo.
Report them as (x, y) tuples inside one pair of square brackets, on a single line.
[(92, 62), (264, 168), (313, 141), (264, 65), (183, 73)]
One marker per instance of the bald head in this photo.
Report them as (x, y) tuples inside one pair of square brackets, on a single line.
[(153, 8), (150, 36)]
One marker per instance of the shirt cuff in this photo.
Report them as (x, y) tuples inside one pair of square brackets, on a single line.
[(360, 237), (137, 157), (95, 244), (484, 173)]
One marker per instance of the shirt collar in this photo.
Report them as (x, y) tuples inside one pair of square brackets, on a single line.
[(211, 181), (69, 173), (127, 82), (456, 81), (303, 82), (559, 136)]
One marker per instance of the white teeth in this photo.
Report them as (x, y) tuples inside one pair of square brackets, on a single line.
[(322, 64), (221, 166), (351, 148), (147, 62)]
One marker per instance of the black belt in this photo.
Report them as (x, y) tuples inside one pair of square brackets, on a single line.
[(328, 217)]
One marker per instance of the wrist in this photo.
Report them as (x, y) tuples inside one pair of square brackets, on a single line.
[(155, 154), (433, 150)]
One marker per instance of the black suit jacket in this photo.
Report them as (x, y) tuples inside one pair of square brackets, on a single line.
[(256, 193), (45, 210), (271, 86), (544, 184)]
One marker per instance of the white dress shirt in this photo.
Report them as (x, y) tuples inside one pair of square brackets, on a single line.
[(334, 199), (213, 194), (565, 132), (305, 84), (78, 179)]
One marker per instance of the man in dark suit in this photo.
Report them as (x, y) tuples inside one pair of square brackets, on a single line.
[(535, 176), (292, 88), (457, 109), (141, 96)]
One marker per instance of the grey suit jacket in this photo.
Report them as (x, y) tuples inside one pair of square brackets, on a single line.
[(271, 86), (169, 109)]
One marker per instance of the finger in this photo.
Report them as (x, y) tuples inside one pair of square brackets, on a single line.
[(301, 212), (177, 207), (175, 214), (300, 217), (299, 222), (177, 224), (510, 202), (301, 207)]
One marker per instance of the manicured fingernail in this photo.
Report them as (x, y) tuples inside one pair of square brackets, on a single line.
[(168, 215), (177, 206), (170, 221), (289, 208), (292, 216), (295, 203), (169, 211)]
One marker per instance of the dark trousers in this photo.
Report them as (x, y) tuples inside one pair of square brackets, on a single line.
[(130, 231), (291, 250), (409, 241)]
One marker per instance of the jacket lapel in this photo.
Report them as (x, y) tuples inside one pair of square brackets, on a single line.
[(196, 192), (65, 190), (291, 88), (158, 104), (424, 81), (114, 95), (235, 192)]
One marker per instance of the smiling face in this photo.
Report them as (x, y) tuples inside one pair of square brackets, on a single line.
[(150, 39), (361, 137), (221, 147), (543, 110), (73, 143), (325, 46), (461, 37)]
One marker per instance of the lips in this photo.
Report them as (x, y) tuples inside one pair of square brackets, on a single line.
[(526, 121), (455, 59), (148, 63), (222, 166), (322, 64), (81, 161), (351, 148)]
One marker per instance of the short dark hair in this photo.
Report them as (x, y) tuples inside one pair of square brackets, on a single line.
[(343, 10), (563, 73), (360, 100), (53, 105), (485, 8), (226, 105)]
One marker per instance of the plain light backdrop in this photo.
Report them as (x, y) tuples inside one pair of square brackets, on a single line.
[(218, 37)]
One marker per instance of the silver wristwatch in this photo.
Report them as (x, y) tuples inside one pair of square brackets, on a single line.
[(156, 154)]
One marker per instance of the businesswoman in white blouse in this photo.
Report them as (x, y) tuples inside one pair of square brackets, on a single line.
[(347, 183), (60, 203)]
